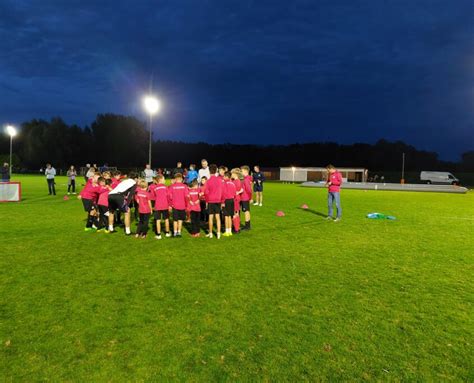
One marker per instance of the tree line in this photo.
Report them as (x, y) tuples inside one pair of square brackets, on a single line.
[(122, 141)]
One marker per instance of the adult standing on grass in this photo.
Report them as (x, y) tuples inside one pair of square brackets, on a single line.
[(119, 200), (334, 183), (149, 173), (204, 171), (71, 180), (5, 172), (178, 170), (50, 173), (89, 172)]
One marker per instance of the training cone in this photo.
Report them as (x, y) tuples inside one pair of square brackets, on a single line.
[(280, 214), (65, 198), (304, 206)]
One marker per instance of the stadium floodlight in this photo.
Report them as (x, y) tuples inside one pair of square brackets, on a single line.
[(152, 106), (11, 131)]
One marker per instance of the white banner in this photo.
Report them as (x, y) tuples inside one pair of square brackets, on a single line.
[(10, 191)]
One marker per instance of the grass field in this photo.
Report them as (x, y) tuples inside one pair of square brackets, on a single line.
[(297, 298)]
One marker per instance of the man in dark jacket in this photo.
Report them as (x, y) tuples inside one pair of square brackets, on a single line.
[(5, 173)]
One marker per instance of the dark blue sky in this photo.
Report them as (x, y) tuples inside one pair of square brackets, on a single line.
[(249, 71)]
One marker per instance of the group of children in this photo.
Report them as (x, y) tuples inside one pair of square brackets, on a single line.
[(215, 202)]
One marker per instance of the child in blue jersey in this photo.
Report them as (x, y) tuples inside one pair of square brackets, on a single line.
[(192, 174), (258, 179)]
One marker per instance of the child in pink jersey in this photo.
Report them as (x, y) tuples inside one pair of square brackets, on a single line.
[(194, 207), (178, 195), (103, 204), (162, 205), (214, 191), (143, 199), (235, 176), (246, 195)]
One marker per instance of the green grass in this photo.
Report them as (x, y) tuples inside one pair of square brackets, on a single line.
[(297, 298)]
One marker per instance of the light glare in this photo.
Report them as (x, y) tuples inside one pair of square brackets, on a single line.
[(152, 104), (11, 131)]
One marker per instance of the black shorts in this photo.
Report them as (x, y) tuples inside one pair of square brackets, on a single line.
[(258, 187), (179, 215), (245, 206), (214, 208), (229, 207), (118, 202), (161, 214), (88, 204)]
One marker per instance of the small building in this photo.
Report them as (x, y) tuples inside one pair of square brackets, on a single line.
[(296, 174)]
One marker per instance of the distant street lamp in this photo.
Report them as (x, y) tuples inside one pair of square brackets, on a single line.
[(152, 106), (11, 131)]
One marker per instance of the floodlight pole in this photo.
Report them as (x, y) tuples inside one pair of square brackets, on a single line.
[(402, 181), (149, 143), (11, 153)]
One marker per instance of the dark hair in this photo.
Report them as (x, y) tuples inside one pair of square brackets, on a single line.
[(213, 168), (178, 175), (194, 183), (132, 175), (101, 179), (203, 178), (108, 182), (330, 166), (227, 174)]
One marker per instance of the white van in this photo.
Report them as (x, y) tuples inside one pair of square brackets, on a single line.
[(438, 178)]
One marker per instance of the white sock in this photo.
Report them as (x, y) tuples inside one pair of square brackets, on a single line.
[(127, 230), (111, 228)]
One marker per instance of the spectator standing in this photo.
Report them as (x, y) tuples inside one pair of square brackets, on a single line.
[(204, 171), (50, 173), (149, 173), (71, 180), (177, 170), (5, 172)]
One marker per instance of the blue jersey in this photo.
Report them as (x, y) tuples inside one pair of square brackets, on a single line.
[(258, 177), (191, 176)]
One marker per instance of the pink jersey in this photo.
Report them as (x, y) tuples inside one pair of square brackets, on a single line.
[(103, 196), (247, 186), (214, 189), (178, 195), (194, 198), (143, 199), (202, 192), (90, 191), (336, 181), (151, 190), (238, 189), (229, 190), (115, 182), (161, 197)]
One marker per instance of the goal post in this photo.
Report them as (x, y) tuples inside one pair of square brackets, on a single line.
[(10, 191)]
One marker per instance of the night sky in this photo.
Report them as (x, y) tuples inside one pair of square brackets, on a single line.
[(248, 71)]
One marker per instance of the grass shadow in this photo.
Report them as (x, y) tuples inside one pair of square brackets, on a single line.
[(312, 211)]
